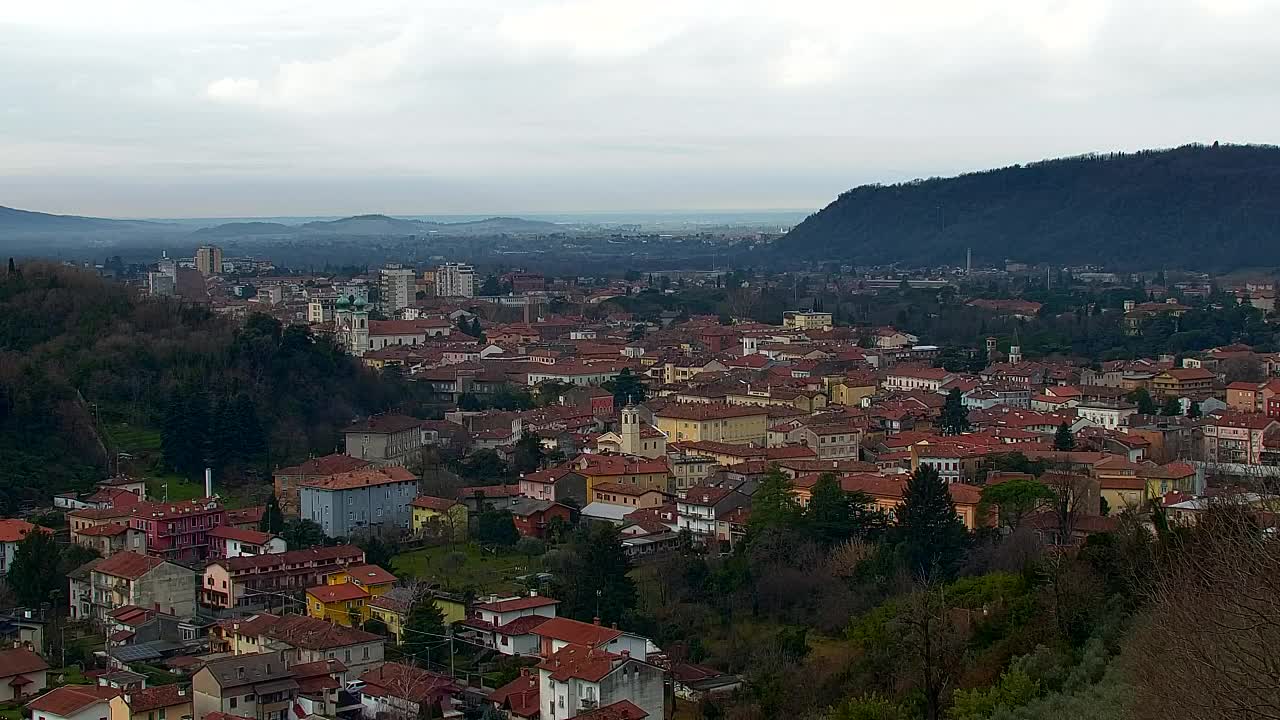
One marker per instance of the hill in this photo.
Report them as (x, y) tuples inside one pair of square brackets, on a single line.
[(364, 225), (1189, 207), (13, 220), (245, 229)]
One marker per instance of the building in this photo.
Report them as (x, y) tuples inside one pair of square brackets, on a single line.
[(518, 698), (632, 497), (302, 639), (1182, 382), (109, 538), (351, 325), (1236, 437), (702, 508), (533, 517), (250, 581), (385, 439), (73, 702), (930, 379), (209, 260), (829, 442), (128, 578), (652, 474), (455, 280), (797, 320), (257, 686), (319, 311), (12, 532), (178, 530), (161, 702), (439, 518), (509, 625), (22, 673), (558, 483), (360, 501), (577, 680), (733, 424), (229, 542), (288, 479), (396, 288), (399, 333), (400, 692), (341, 604), (392, 608), (1109, 415)]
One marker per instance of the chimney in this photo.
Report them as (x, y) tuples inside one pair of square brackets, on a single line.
[(240, 672), (533, 593), (127, 698), (182, 692), (626, 654), (208, 482), (595, 620), (614, 624)]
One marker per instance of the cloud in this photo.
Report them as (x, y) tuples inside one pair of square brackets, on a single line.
[(234, 89)]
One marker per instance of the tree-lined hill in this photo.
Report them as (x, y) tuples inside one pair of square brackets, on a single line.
[(1189, 207)]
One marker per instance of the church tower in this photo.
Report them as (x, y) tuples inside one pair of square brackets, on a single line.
[(1015, 350), (630, 432), (359, 328)]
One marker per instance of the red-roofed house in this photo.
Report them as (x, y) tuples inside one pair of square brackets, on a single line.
[(518, 698), (288, 479), (582, 681), (22, 673), (229, 542), (400, 691), (128, 578), (12, 532), (702, 508), (1231, 437), (510, 625), (73, 702)]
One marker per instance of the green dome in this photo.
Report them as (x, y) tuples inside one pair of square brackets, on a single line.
[(360, 302), (343, 302)]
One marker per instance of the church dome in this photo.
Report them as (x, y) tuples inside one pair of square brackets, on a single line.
[(343, 302)]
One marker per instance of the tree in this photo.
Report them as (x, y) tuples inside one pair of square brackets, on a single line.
[(496, 527), (528, 454), (34, 575), (954, 418), (377, 551), (773, 505), (483, 465), (272, 518), (1071, 494), (1142, 398), (1194, 411), (1171, 407), (1015, 499), (626, 389), (593, 581), (1063, 439), (929, 533), (931, 646), (424, 627), (300, 534), (829, 517)]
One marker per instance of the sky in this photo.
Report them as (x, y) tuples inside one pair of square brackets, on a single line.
[(234, 108)]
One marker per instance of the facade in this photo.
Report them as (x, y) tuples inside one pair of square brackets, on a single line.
[(701, 508), (302, 639), (829, 442), (558, 483), (532, 517), (288, 479), (637, 471), (351, 325), (733, 424), (399, 333), (439, 517), (128, 578), (455, 280), (1181, 382), (385, 439), (229, 542), (12, 532), (73, 702), (249, 580), (396, 286), (360, 501), (921, 378), (254, 686), (161, 702), (631, 496), (797, 320), (1109, 415), (1236, 437), (401, 692), (578, 679), (209, 260), (22, 674)]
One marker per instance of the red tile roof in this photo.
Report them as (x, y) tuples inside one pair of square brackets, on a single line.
[(160, 696), (103, 530), (338, 593), (368, 477), (129, 565), (327, 465), (433, 503), (520, 696), (621, 710), (312, 634), (708, 411), (20, 660), (522, 625), (252, 537), (577, 633), (370, 575), (578, 662), (12, 530), (333, 553), (520, 603), (402, 681), (70, 699)]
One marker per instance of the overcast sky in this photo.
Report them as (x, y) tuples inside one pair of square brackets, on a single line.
[(294, 107)]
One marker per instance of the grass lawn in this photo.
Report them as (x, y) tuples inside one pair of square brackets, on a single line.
[(482, 570), (71, 675), (180, 488), (132, 439)]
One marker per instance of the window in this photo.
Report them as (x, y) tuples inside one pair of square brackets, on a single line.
[(248, 698), (161, 713), (232, 704), (346, 656), (366, 653)]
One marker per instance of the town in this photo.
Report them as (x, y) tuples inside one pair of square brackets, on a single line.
[(571, 471)]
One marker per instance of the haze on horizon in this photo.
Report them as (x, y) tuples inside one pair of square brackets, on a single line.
[(151, 108)]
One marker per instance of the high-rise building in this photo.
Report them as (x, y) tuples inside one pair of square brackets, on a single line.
[(396, 288), (209, 260), (455, 280)]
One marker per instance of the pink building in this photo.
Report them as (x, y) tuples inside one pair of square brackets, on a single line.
[(178, 530)]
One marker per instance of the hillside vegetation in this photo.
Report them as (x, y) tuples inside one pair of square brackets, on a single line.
[(1190, 207)]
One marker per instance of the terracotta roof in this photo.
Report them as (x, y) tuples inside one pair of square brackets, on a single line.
[(623, 489), (71, 699), (433, 503), (525, 625), (402, 681), (295, 557), (252, 537), (319, 667), (367, 477), (337, 593), (369, 575), (129, 565), (104, 530), (20, 660), (384, 424), (12, 530), (577, 633), (604, 465), (1185, 374), (327, 465), (708, 411), (252, 514), (621, 710), (312, 634), (520, 696), (159, 696), (520, 603), (705, 495), (578, 662)]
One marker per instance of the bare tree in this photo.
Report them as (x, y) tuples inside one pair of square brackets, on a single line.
[(932, 645), (1074, 495), (1207, 648)]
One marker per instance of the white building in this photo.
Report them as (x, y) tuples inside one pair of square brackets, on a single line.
[(12, 532), (578, 679), (319, 311), (455, 280), (1104, 414), (397, 285)]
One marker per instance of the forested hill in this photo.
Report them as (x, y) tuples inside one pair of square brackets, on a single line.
[(78, 354), (1190, 207)]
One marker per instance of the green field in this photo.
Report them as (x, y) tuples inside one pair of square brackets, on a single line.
[(180, 488), (132, 439), (479, 570)]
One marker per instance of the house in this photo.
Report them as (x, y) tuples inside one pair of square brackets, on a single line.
[(929, 379), (22, 673), (400, 692), (734, 424), (829, 441), (360, 501), (162, 702), (288, 479), (373, 579), (109, 538), (630, 496), (394, 333), (439, 518), (302, 639), (385, 439), (653, 474), (229, 542), (177, 530), (73, 702), (509, 625), (558, 483), (701, 507), (694, 682), (531, 517), (1181, 382), (258, 685), (341, 604), (1236, 437), (798, 320), (558, 632), (12, 532), (518, 698), (128, 578), (247, 581), (319, 684), (392, 607), (577, 679)]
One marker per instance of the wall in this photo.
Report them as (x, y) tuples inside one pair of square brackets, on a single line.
[(342, 512), (39, 682), (171, 587), (638, 682)]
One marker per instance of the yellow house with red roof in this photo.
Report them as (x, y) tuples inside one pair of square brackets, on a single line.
[(344, 596)]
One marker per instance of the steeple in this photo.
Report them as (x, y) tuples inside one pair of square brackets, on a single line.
[(630, 431)]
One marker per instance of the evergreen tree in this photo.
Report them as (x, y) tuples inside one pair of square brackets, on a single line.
[(829, 517), (175, 435), (1194, 410), (224, 437), (954, 418), (424, 628), (1142, 398), (272, 518), (626, 388), (594, 581), (496, 527), (930, 535), (773, 505), (528, 454), (1171, 407), (251, 436), (34, 575), (1063, 439)]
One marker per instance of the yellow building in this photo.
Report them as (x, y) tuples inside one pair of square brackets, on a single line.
[(851, 391), (796, 320), (439, 517), (392, 608), (647, 473), (697, 422), (161, 702), (372, 579), (342, 604)]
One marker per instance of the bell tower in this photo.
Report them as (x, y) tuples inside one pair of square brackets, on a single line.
[(630, 432)]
